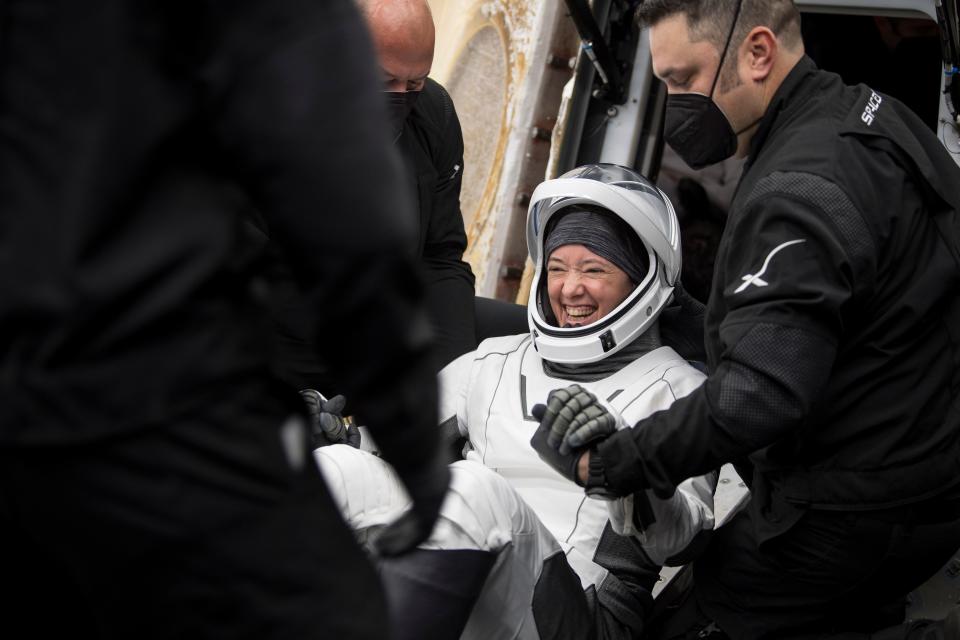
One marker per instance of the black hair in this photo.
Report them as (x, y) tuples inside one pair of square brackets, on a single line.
[(711, 20)]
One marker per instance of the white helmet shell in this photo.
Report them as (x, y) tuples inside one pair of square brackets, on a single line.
[(649, 213)]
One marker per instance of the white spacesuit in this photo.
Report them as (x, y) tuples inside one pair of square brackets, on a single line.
[(503, 498)]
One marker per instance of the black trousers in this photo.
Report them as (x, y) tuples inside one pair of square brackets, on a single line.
[(832, 573), (218, 526)]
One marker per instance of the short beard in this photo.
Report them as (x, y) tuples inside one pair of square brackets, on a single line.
[(729, 78)]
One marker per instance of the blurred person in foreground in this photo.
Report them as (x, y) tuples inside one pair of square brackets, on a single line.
[(155, 479)]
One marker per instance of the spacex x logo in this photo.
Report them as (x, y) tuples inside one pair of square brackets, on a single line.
[(755, 278)]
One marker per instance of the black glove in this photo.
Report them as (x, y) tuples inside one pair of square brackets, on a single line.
[(427, 487), (682, 325), (327, 422)]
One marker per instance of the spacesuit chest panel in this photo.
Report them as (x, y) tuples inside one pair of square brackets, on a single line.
[(635, 391), (503, 390)]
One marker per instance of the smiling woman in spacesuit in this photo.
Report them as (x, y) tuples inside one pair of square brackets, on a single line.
[(519, 551)]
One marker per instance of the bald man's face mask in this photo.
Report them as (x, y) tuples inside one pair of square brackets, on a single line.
[(399, 106)]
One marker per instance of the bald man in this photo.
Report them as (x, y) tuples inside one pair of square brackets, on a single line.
[(426, 130), (404, 37)]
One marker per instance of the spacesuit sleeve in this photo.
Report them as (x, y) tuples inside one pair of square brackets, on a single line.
[(308, 139), (800, 248), (667, 528)]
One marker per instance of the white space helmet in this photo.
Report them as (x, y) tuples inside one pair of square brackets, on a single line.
[(647, 211)]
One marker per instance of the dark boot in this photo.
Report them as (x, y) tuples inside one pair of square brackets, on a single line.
[(430, 593)]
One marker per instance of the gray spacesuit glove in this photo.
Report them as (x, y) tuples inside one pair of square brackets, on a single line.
[(567, 464), (571, 419), (328, 425), (427, 488), (574, 417), (564, 464)]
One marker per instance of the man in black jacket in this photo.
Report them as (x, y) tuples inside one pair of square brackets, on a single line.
[(155, 480), (832, 333), (426, 131)]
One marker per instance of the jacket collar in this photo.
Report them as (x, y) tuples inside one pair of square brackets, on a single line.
[(791, 87)]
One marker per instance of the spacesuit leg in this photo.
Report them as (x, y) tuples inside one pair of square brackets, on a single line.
[(482, 511), (364, 487), (430, 592), (481, 514)]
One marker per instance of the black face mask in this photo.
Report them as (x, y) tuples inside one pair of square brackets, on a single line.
[(399, 106), (694, 125), (697, 130)]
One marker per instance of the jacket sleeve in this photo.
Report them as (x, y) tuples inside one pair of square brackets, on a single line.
[(308, 139), (798, 250), (450, 280)]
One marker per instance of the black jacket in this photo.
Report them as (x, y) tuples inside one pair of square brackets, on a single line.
[(131, 133), (432, 148), (833, 323)]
